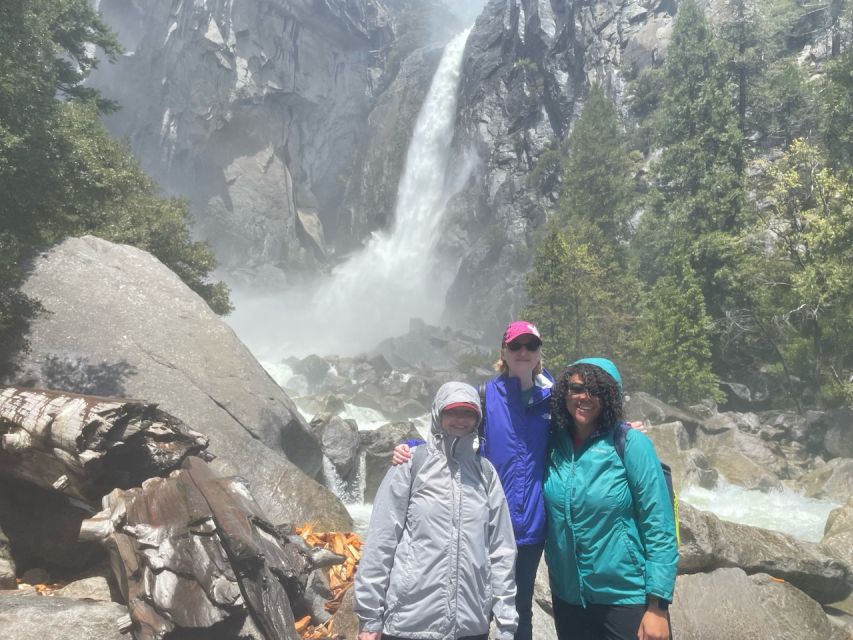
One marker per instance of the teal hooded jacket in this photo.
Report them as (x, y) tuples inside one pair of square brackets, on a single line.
[(611, 529)]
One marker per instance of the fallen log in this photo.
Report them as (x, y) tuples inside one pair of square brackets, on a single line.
[(194, 551), (84, 446)]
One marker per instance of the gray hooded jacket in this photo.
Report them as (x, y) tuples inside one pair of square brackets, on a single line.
[(439, 563)]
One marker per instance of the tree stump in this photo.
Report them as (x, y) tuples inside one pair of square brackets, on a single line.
[(193, 551), (84, 446)]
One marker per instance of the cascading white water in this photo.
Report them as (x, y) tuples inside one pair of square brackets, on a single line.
[(397, 276)]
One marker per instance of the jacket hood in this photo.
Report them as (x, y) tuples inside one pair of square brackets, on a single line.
[(451, 393)]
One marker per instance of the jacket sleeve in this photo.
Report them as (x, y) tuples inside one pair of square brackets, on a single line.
[(387, 522), (502, 552), (654, 512)]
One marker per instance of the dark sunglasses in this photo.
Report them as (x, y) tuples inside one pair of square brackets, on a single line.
[(577, 389), (533, 345)]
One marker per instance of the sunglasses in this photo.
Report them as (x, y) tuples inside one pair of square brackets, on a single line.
[(533, 345), (577, 389)]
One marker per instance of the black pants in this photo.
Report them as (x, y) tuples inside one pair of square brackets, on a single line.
[(526, 564), (597, 621)]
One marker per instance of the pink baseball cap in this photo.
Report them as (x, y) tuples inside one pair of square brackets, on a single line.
[(520, 328)]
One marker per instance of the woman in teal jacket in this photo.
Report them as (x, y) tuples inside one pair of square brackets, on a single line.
[(611, 549)]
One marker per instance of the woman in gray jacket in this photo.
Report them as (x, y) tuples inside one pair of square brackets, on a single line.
[(438, 562)]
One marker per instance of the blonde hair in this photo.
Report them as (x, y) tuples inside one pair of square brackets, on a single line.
[(501, 367)]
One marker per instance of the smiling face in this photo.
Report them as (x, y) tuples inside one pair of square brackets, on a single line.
[(584, 408), (522, 361), (458, 421)]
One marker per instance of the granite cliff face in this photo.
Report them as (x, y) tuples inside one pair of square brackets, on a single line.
[(528, 68), (251, 109)]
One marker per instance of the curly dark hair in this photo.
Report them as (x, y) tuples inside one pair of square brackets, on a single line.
[(600, 384)]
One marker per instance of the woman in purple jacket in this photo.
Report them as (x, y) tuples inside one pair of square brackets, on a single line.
[(516, 419)]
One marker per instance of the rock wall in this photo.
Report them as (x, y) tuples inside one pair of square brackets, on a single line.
[(251, 109)]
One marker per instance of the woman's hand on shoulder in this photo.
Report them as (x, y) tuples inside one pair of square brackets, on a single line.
[(654, 625), (639, 426), (401, 454), (369, 635)]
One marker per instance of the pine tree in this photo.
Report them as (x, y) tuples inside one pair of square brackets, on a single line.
[(697, 198), (598, 184), (672, 341), (578, 296)]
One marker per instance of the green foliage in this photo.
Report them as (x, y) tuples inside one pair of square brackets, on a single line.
[(838, 113), (60, 172), (543, 176), (805, 255), (579, 296), (672, 341), (697, 196), (470, 361), (598, 185)]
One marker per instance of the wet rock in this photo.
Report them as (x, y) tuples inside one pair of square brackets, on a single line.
[(36, 576), (313, 368), (708, 543), (698, 470), (728, 603), (340, 441), (33, 617)]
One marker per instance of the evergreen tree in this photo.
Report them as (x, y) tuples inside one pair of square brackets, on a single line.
[(803, 283), (672, 340), (598, 184), (838, 113), (697, 199), (578, 296)]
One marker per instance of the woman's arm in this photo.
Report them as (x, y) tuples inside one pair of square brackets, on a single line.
[(654, 513), (387, 523), (502, 552)]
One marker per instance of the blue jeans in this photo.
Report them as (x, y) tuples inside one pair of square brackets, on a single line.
[(526, 564)]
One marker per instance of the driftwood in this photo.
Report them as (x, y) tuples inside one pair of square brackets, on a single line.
[(85, 446), (194, 551)]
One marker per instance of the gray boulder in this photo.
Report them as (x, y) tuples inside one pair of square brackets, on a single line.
[(838, 439), (7, 563), (708, 543), (645, 407), (728, 603), (837, 539), (119, 323), (93, 588), (378, 446), (339, 439), (832, 480), (35, 617)]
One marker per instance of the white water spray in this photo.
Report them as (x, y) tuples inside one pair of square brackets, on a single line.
[(397, 276)]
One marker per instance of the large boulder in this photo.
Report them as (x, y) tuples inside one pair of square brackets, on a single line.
[(838, 439), (35, 617), (838, 535), (119, 323), (831, 480), (378, 445), (728, 603), (735, 449), (708, 543)]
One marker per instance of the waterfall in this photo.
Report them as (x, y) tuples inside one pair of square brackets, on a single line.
[(397, 276)]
